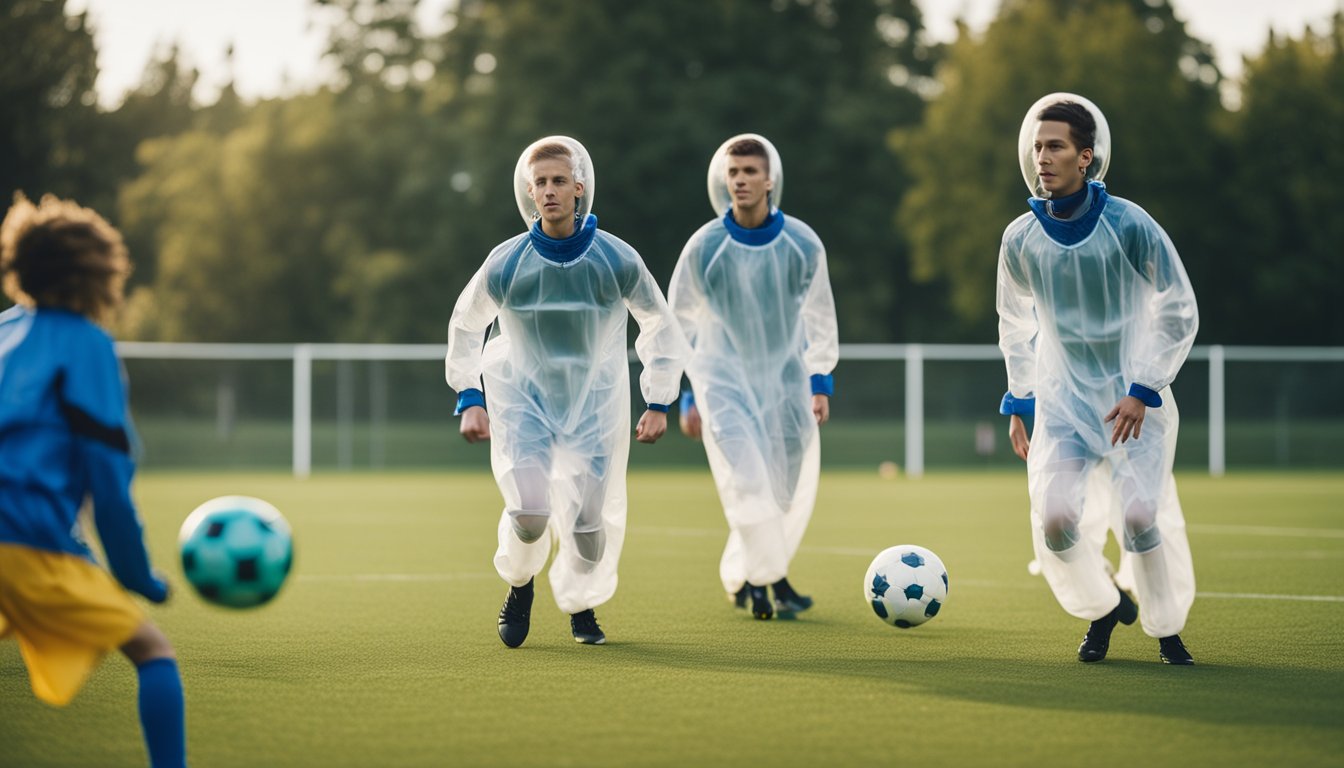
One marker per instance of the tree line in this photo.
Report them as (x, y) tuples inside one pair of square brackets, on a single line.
[(357, 211)]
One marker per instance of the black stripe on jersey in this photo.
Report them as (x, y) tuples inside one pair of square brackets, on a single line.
[(85, 425)]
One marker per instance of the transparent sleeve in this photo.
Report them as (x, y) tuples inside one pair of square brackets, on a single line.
[(1170, 315), (1018, 326), (819, 324), (474, 312), (684, 293), (661, 346)]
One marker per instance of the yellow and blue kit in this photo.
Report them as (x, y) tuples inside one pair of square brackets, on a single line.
[(65, 436)]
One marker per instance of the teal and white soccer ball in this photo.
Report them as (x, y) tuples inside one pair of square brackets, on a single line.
[(906, 585), (236, 551)]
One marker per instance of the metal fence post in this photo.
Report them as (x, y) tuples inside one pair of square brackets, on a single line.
[(303, 410), (914, 410), (1217, 413)]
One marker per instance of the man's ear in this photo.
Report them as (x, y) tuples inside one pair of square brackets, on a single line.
[(578, 189)]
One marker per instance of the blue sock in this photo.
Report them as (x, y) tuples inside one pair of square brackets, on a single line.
[(162, 713)]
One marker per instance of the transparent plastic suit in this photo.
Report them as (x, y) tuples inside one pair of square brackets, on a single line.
[(556, 373), (761, 321), (1078, 325)]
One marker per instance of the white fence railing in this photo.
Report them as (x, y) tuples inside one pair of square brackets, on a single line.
[(914, 356)]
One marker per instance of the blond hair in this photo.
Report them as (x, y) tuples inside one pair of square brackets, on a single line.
[(60, 254), (556, 151)]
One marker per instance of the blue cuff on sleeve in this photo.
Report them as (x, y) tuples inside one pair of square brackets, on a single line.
[(1145, 395), (658, 407), (823, 384), (1017, 406), (687, 401), (469, 398)]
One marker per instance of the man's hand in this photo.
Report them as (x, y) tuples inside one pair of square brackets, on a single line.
[(1128, 417), (821, 408), (690, 422), (651, 426), (1017, 435), (475, 424)]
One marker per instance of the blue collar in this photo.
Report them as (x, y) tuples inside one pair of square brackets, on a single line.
[(769, 229), (564, 250), (1075, 230)]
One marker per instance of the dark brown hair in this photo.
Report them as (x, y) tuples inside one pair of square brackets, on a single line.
[(60, 254), (750, 148)]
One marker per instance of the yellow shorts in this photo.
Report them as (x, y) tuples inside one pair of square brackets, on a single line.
[(66, 614)]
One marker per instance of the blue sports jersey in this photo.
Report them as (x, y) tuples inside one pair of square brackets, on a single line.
[(64, 436)]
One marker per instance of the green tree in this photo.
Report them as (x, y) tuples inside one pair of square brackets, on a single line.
[(1155, 83), (47, 73), (1281, 260), (652, 90)]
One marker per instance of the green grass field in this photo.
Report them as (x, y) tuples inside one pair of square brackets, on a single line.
[(382, 651)]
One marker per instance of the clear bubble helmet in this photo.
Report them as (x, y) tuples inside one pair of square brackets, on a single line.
[(1026, 139), (719, 196), (583, 174)]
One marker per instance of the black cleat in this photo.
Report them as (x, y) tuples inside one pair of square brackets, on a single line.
[(739, 598), (515, 618), (789, 603), (1098, 639), (760, 603), (585, 628), (1126, 612), (1172, 651)]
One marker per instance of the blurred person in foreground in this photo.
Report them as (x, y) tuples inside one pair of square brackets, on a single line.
[(556, 374), (1096, 317), (65, 439), (752, 293)]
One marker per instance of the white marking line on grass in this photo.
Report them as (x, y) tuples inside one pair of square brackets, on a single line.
[(1257, 596), (1269, 530), (395, 576)]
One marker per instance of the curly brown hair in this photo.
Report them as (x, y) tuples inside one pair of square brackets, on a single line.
[(60, 254)]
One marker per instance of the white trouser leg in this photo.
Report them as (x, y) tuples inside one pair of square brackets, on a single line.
[(1068, 532), (757, 549), (1156, 550)]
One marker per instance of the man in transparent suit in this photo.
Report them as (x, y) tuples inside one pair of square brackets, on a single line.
[(752, 293), (557, 297), (1096, 317)]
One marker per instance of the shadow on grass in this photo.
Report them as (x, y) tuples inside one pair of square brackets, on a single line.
[(1262, 695)]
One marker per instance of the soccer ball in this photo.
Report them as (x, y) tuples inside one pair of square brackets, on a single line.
[(236, 551), (906, 585)]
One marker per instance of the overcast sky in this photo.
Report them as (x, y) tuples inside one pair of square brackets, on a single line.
[(277, 48)]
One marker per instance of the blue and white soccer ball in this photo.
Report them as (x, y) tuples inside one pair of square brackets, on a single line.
[(236, 551), (906, 585)]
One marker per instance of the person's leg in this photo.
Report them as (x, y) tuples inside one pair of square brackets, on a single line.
[(1154, 539), (805, 463), (161, 701), (756, 552), (521, 456), (1071, 560), (591, 513)]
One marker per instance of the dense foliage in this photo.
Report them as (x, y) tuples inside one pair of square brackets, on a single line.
[(356, 212)]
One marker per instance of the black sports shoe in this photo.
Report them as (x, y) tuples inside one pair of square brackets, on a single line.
[(586, 631), (1098, 639), (515, 618), (1172, 651), (739, 597), (760, 602), (1126, 612), (788, 603)]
